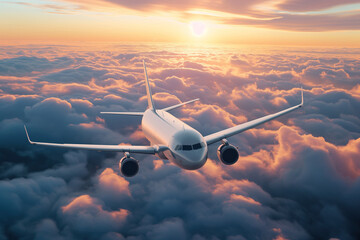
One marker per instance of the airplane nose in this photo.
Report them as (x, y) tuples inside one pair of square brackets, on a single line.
[(188, 149), (193, 160), (198, 164)]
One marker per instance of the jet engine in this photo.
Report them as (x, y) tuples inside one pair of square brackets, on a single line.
[(129, 166), (227, 153)]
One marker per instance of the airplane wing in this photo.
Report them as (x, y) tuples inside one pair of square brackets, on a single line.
[(115, 148), (218, 136)]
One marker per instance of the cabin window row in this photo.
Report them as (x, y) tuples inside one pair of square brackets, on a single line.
[(190, 147)]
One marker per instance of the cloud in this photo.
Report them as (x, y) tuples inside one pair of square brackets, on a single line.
[(303, 23), (76, 75), (113, 188), (297, 165), (304, 6), (47, 229), (297, 177), (291, 15), (86, 217), (22, 197), (25, 66), (172, 228)]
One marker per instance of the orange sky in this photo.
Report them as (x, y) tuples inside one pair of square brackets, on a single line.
[(286, 22)]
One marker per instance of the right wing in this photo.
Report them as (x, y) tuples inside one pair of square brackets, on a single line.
[(115, 148), (218, 136)]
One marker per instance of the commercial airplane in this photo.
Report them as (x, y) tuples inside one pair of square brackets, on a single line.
[(172, 139)]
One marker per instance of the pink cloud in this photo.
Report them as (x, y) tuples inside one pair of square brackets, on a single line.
[(243, 199), (158, 164), (79, 202), (258, 13), (83, 102), (303, 22), (85, 215), (112, 182), (292, 145), (304, 6)]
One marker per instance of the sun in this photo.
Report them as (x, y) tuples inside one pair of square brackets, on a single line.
[(198, 28)]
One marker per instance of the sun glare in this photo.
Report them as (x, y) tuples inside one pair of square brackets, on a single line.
[(198, 28)]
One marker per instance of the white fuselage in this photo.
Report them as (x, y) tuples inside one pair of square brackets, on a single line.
[(187, 147)]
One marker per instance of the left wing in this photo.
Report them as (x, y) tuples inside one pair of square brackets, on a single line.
[(115, 148), (218, 136)]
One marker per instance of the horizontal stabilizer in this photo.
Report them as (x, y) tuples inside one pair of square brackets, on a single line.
[(124, 113), (179, 105)]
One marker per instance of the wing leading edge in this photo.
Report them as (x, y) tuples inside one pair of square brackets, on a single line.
[(96, 147), (218, 136)]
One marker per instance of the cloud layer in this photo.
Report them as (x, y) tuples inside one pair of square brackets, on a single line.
[(297, 177)]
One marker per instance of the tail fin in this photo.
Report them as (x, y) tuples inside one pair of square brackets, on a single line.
[(148, 90)]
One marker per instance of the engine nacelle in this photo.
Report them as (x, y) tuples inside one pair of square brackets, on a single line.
[(227, 154), (129, 167)]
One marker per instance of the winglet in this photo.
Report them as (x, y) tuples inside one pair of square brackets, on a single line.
[(148, 89), (27, 135), (302, 97)]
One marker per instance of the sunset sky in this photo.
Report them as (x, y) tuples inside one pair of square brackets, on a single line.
[(282, 22), (63, 62)]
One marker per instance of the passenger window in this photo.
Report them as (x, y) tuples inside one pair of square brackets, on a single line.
[(187, 147)]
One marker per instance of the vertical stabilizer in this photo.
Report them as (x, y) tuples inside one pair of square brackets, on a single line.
[(148, 90)]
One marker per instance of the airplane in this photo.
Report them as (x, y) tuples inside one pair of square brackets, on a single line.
[(172, 139)]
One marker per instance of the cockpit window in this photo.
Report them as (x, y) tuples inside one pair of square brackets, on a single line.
[(190, 147), (196, 146), (187, 147)]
